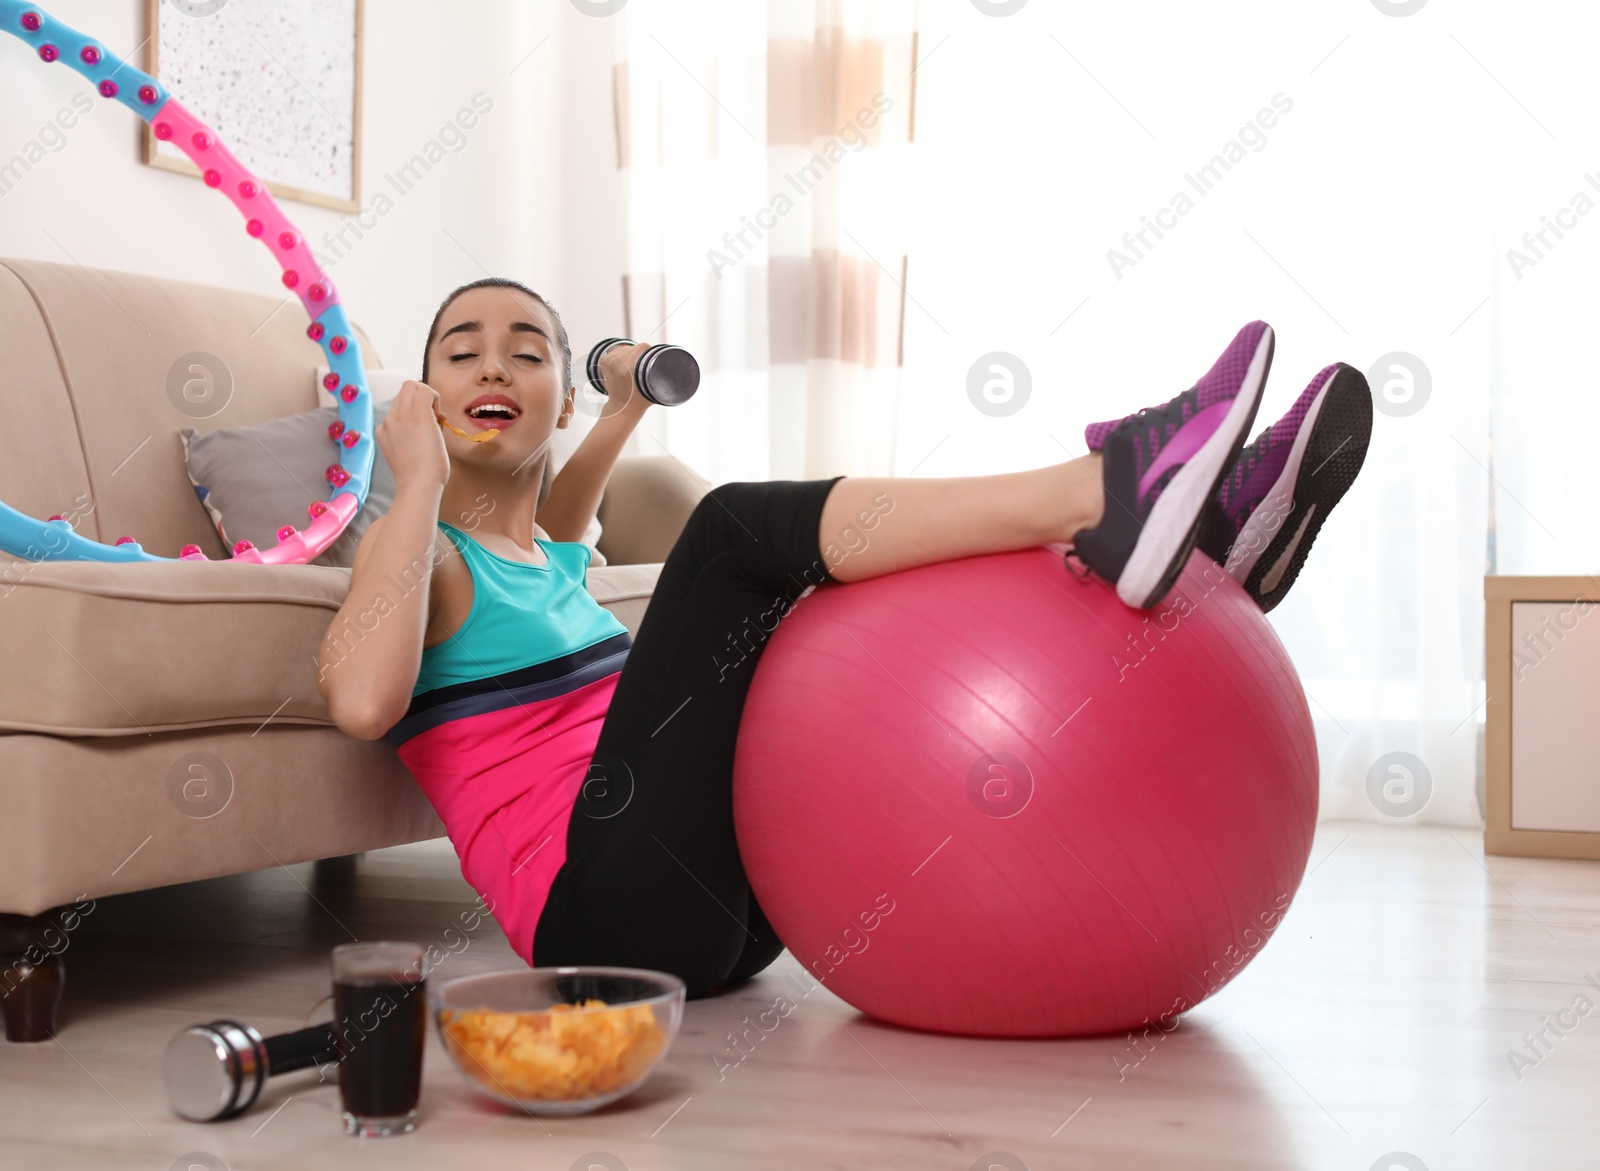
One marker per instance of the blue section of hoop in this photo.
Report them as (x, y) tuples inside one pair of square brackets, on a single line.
[(37, 540)]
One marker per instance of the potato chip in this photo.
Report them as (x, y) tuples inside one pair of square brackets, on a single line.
[(478, 438), (569, 1053)]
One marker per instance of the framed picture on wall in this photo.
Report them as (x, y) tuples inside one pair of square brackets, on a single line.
[(278, 80)]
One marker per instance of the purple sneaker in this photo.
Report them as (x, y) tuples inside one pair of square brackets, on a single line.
[(1269, 509), (1220, 382), (1164, 463)]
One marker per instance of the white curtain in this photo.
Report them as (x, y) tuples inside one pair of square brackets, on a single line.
[(1351, 209), (766, 153), (1377, 168)]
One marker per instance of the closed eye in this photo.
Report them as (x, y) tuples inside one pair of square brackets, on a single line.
[(461, 357), (535, 357)]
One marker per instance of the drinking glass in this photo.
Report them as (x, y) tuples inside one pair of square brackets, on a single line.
[(380, 1017)]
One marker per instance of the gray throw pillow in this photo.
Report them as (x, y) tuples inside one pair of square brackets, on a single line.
[(255, 480)]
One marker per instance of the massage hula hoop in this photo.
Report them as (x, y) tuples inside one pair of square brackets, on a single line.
[(55, 540)]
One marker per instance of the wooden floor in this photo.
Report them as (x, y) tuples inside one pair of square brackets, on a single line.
[(1378, 1020)]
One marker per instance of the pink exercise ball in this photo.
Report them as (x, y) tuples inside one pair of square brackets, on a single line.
[(985, 797)]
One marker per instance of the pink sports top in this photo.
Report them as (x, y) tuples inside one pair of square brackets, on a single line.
[(504, 720)]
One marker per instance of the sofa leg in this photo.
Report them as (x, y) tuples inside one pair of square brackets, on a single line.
[(31, 976)]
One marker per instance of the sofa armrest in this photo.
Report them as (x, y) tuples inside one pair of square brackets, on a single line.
[(646, 503)]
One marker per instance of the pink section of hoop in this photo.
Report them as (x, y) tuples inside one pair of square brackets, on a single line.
[(260, 206), (234, 180), (307, 542)]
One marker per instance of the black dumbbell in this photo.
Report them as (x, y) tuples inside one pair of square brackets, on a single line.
[(668, 375), (216, 1071)]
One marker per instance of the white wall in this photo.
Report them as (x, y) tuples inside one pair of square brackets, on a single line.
[(499, 205), (594, 248)]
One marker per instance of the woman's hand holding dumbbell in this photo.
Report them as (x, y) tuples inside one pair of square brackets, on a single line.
[(618, 365), (663, 374)]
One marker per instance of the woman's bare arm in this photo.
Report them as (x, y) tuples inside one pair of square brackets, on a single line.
[(372, 653), (575, 493)]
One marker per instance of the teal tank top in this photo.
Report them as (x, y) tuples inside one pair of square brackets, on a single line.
[(521, 614)]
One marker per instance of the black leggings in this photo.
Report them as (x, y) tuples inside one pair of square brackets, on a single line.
[(653, 877)]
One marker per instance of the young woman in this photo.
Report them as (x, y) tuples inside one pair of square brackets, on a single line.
[(585, 777)]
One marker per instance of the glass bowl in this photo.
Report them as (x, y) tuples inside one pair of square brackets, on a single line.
[(529, 1038)]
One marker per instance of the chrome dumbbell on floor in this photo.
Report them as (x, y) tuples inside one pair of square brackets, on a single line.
[(668, 375), (216, 1071)]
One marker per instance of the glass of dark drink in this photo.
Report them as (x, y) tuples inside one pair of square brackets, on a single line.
[(380, 1016)]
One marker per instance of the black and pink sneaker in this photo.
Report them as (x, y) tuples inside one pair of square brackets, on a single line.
[(1164, 463), (1270, 507)]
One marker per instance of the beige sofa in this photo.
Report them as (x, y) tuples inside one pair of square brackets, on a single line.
[(160, 722)]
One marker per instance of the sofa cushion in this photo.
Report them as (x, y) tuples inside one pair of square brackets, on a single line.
[(111, 649), (254, 479)]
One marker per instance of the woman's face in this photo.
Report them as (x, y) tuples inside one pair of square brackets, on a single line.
[(496, 362)]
